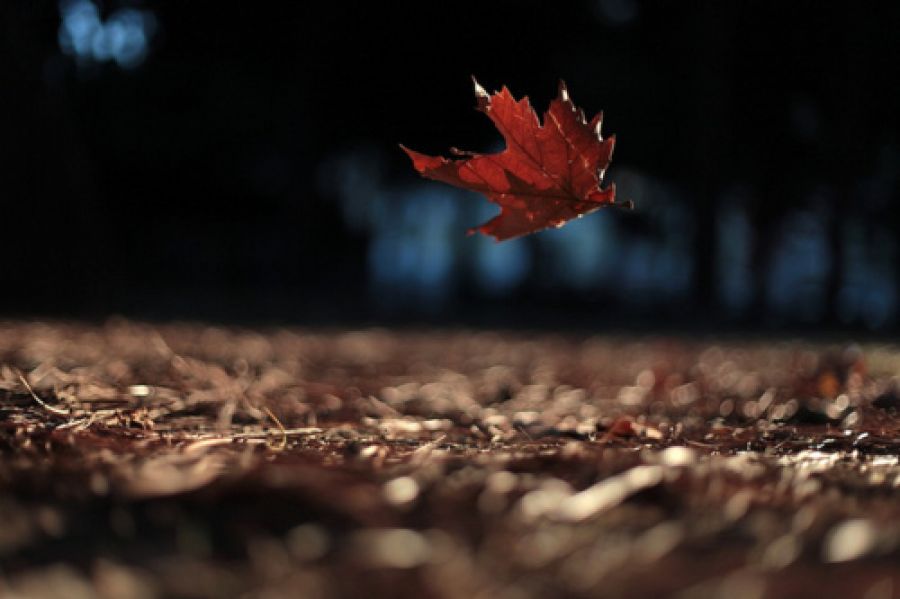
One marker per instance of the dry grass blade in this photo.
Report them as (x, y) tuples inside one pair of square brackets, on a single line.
[(284, 438), (38, 400)]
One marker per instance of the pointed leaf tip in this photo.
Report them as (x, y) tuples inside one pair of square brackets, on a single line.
[(597, 124), (482, 98), (479, 91)]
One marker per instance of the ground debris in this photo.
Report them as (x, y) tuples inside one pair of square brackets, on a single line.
[(197, 461)]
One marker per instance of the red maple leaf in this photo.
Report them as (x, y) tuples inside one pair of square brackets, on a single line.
[(547, 175)]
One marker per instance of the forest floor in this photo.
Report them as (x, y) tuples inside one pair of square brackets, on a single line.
[(190, 461)]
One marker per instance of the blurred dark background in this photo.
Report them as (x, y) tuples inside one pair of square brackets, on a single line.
[(238, 161)]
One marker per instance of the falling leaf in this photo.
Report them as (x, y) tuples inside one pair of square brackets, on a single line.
[(548, 174)]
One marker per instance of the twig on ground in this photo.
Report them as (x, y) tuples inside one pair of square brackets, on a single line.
[(422, 453)]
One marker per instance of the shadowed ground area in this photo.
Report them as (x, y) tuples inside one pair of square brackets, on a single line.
[(190, 461)]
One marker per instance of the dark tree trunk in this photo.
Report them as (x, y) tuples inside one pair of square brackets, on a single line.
[(713, 35)]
